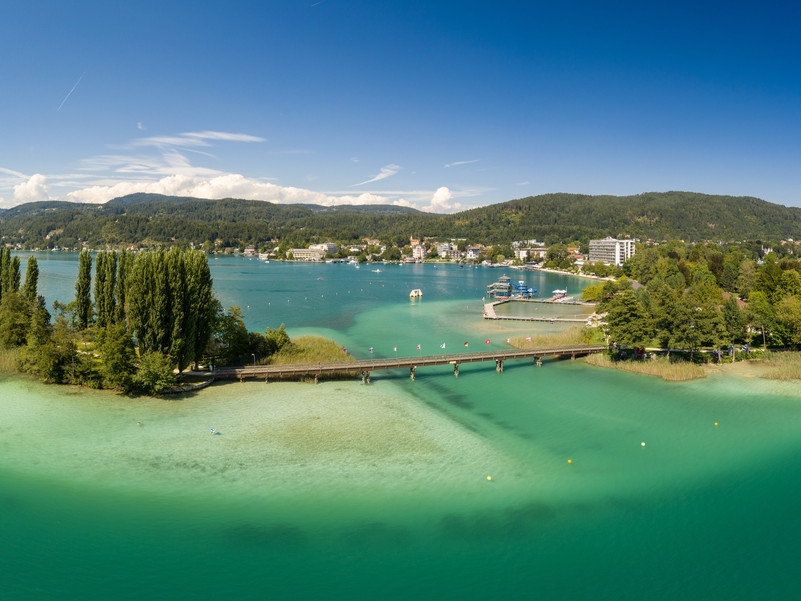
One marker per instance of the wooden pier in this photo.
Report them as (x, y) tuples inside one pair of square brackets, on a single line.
[(365, 366)]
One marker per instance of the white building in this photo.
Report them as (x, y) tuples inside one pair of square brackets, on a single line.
[(611, 251), (473, 253), (419, 252), (326, 247), (306, 254)]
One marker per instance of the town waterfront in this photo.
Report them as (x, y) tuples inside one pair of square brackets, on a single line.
[(531, 483)]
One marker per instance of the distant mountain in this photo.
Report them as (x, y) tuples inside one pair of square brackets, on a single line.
[(147, 219), (145, 198)]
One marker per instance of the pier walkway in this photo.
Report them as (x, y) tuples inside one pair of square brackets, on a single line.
[(365, 366)]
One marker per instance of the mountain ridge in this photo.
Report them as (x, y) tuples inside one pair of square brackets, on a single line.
[(157, 219)]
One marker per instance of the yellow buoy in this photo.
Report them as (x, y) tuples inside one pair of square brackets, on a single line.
[(716, 423), (570, 461), (642, 443), (489, 477)]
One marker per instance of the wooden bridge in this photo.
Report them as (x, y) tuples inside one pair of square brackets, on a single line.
[(365, 366)]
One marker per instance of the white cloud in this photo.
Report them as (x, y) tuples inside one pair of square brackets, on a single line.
[(33, 190), (441, 202), (457, 163), (385, 172), (230, 185)]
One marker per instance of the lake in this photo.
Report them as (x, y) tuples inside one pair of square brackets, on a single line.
[(530, 483)]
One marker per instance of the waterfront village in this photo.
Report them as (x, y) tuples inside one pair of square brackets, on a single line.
[(600, 257)]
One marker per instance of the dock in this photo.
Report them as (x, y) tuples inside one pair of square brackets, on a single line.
[(365, 366), (489, 311)]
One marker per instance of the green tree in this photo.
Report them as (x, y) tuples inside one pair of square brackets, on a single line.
[(155, 374), (734, 321), (121, 288), (14, 320), (627, 323), (83, 302), (118, 355), (761, 314), (40, 356), (788, 313), (29, 291)]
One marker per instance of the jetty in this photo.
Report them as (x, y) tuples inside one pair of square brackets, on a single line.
[(365, 366), (489, 311)]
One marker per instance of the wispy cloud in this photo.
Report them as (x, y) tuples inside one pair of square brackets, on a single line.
[(457, 163), (195, 139), (385, 172)]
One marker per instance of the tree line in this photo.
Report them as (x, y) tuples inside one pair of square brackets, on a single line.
[(694, 296), (135, 325)]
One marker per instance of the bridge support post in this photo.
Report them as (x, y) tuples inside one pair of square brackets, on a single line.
[(316, 376), (411, 375), (538, 361), (572, 356), (499, 365), (365, 377), (456, 370)]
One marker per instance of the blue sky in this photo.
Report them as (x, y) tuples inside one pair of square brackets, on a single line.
[(437, 105)]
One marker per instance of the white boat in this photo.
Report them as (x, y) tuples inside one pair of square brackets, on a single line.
[(416, 293), (376, 271)]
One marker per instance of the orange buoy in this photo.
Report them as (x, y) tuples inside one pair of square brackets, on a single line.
[(570, 461), (716, 423)]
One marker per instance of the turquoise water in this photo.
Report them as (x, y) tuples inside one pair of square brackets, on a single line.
[(345, 491)]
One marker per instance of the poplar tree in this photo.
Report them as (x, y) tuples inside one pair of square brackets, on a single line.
[(83, 302), (169, 298), (110, 289), (181, 316), (29, 292), (120, 290), (202, 298), (13, 274), (105, 280), (5, 263), (100, 289)]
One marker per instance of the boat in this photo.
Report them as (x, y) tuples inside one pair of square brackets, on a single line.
[(416, 293), (376, 271)]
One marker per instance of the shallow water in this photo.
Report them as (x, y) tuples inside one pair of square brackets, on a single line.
[(340, 490)]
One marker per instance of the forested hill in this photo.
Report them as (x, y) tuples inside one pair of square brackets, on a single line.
[(153, 219), (663, 215)]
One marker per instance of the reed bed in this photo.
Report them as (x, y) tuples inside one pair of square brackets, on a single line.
[(8, 360), (570, 337), (671, 371), (309, 349), (783, 366)]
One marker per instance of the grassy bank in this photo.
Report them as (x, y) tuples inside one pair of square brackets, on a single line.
[(570, 337), (783, 366), (309, 349), (672, 371)]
